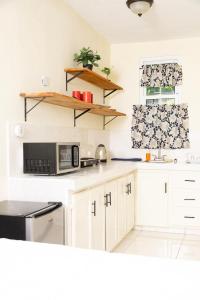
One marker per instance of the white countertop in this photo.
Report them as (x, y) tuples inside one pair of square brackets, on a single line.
[(51, 187), (45, 272)]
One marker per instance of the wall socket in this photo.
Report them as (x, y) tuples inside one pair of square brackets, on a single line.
[(44, 81)]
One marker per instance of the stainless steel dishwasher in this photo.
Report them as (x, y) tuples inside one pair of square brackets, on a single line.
[(32, 221)]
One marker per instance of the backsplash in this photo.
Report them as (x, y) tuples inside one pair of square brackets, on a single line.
[(88, 138), (118, 147)]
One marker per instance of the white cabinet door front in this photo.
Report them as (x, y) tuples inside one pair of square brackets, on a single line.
[(111, 215), (122, 192), (97, 219), (80, 220), (152, 198), (130, 203)]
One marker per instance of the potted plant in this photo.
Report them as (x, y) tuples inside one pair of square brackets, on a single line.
[(106, 71), (87, 57)]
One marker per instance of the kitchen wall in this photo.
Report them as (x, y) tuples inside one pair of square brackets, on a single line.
[(39, 37), (126, 59), (32, 132)]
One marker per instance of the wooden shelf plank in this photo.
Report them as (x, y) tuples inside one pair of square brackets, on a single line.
[(94, 78), (70, 102)]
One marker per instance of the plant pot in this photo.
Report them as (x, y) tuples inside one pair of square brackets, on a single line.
[(88, 66)]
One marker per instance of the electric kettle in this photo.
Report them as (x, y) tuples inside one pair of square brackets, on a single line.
[(101, 153)]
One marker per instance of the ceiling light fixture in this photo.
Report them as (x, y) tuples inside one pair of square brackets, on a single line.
[(139, 7)]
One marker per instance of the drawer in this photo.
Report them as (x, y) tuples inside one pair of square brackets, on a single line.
[(187, 180), (186, 197), (185, 217)]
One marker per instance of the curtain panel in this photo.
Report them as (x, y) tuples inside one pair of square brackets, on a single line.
[(161, 75), (160, 127)]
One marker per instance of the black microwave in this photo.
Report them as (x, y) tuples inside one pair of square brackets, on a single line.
[(51, 158)]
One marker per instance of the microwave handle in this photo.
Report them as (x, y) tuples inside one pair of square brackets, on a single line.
[(75, 163)]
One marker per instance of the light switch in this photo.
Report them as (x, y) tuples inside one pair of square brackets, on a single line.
[(44, 81)]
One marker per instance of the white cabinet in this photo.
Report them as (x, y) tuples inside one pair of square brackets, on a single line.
[(111, 215), (97, 219), (125, 188), (130, 211), (184, 204), (102, 216), (87, 219), (152, 198), (80, 220)]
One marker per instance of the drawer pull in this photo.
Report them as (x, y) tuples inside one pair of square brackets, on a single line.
[(187, 217), (189, 199), (190, 180)]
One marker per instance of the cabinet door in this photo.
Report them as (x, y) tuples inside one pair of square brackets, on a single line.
[(80, 220), (152, 198), (97, 219), (122, 207), (130, 214), (111, 215)]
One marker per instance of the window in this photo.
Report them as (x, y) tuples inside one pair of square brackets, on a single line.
[(159, 95)]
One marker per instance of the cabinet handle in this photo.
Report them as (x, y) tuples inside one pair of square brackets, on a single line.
[(165, 187), (127, 189), (190, 180), (189, 199), (94, 208), (110, 196), (130, 188), (188, 217), (106, 200)]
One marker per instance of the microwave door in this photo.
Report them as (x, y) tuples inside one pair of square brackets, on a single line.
[(64, 158)]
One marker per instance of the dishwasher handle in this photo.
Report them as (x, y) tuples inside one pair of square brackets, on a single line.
[(45, 211)]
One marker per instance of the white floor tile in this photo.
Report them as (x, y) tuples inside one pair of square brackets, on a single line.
[(190, 249), (169, 245), (127, 241), (160, 247), (162, 235)]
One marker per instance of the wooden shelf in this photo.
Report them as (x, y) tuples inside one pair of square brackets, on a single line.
[(94, 78), (70, 102)]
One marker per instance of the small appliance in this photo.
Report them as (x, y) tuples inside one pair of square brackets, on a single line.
[(101, 153), (32, 221), (51, 158), (88, 162)]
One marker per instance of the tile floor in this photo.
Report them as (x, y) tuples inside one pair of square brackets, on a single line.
[(170, 245)]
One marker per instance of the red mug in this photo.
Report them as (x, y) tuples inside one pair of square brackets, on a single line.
[(77, 95), (88, 97)]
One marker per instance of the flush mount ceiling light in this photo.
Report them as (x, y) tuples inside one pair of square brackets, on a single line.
[(139, 7)]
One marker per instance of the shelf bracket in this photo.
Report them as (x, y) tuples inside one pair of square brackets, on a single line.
[(106, 123), (26, 110), (72, 78), (110, 93), (80, 115)]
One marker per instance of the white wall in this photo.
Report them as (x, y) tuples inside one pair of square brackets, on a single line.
[(126, 59), (39, 37)]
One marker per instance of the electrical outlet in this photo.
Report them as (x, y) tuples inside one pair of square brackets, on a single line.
[(44, 81)]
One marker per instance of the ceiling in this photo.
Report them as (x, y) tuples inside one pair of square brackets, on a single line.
[(167, 19)]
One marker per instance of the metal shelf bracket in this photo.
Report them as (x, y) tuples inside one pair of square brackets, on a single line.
[(71, 78), (26, 110), (79, 115), (110, 93), (106, 123)]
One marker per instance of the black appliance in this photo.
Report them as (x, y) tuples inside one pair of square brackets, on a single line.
[(32, 221), (88, 162), (50, 158)]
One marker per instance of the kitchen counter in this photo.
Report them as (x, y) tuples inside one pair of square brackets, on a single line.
[(57, 188)]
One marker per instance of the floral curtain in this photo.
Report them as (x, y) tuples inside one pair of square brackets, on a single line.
[(161, 75), (160, 127)]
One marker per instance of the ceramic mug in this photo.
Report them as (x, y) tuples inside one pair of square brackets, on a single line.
[(88, 97)]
